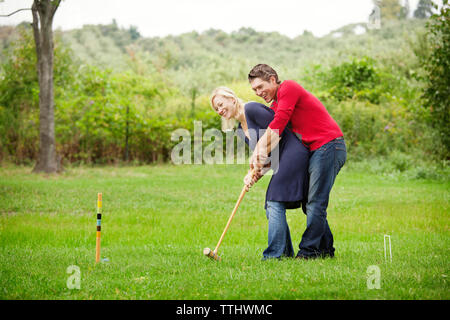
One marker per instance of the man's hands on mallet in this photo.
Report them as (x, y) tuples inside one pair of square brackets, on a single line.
[(259, 161)]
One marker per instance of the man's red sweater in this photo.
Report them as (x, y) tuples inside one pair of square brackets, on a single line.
[(307, 114)]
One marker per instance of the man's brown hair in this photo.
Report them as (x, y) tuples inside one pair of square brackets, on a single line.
[(264, 72)]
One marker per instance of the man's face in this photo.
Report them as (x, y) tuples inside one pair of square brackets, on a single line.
[(265, 89)]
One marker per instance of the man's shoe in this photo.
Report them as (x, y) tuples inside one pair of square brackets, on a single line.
[(270, 258), (304, 257), (327, 255)]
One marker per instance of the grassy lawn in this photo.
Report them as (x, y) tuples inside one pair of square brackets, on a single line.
[(157, 220)]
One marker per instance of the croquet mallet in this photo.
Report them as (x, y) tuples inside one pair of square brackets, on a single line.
[(213, 254)]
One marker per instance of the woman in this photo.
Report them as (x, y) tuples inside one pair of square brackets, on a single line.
[(288, 186)]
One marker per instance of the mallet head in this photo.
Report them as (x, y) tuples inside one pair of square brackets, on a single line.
[(211, 254)]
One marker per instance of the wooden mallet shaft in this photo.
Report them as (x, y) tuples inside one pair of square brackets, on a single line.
[(241, 196), (213, 254)]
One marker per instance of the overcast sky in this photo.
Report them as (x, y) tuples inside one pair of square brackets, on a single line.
[(164, 17)]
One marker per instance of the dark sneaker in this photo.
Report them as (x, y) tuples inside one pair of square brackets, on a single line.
[(270, 258), (327, 254), (304, 257)]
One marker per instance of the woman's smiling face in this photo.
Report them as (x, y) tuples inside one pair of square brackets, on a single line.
[(224, 106)]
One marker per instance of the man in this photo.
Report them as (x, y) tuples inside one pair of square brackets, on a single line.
[(306, 116)]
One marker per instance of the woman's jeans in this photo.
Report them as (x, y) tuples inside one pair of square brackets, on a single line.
[(279, 242), (324, 165)]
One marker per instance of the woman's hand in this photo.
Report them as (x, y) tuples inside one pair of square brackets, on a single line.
[(251, 178)]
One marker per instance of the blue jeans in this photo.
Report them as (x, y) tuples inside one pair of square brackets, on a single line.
[(324, 165), (279, 239)]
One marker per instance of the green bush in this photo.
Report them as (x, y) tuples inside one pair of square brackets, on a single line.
[(93, 109), (374, 96), (19, 98), (374, 130), (357, 79)]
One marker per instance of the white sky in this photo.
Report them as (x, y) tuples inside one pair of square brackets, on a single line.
[(164, 17)]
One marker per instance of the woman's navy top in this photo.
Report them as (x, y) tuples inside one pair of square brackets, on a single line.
[(289, 182)]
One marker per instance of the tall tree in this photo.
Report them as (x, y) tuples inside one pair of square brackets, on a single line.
[(424, 9), (405, 10), (43, 13), (390, 9), (375, 16), (437, 67)]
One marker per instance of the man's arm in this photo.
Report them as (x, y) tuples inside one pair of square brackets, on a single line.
[(265, 145), (288, 98)]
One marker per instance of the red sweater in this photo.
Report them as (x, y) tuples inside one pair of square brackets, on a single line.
[(307, 114)]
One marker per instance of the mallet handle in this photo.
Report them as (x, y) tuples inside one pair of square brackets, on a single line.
[(241, 196)]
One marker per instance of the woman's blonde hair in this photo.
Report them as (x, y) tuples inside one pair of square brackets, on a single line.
[(227, 92)]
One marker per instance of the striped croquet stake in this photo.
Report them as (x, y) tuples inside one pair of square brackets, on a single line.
[(99, 226)]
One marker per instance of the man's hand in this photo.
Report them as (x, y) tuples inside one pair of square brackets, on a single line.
[(258, 161), (265, 145)]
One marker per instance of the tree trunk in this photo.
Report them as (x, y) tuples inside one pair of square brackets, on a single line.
[(126, 135), (43, 13)]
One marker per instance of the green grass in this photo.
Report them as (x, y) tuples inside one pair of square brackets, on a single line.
[(157, 220)]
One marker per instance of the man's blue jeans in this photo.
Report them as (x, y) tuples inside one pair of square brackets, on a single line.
[(279, 242), (324, 165)]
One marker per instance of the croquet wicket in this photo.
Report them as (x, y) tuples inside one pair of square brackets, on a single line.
[(99, 227), (388, 237)]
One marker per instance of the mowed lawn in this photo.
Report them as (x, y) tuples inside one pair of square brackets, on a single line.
[(157, 220)]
